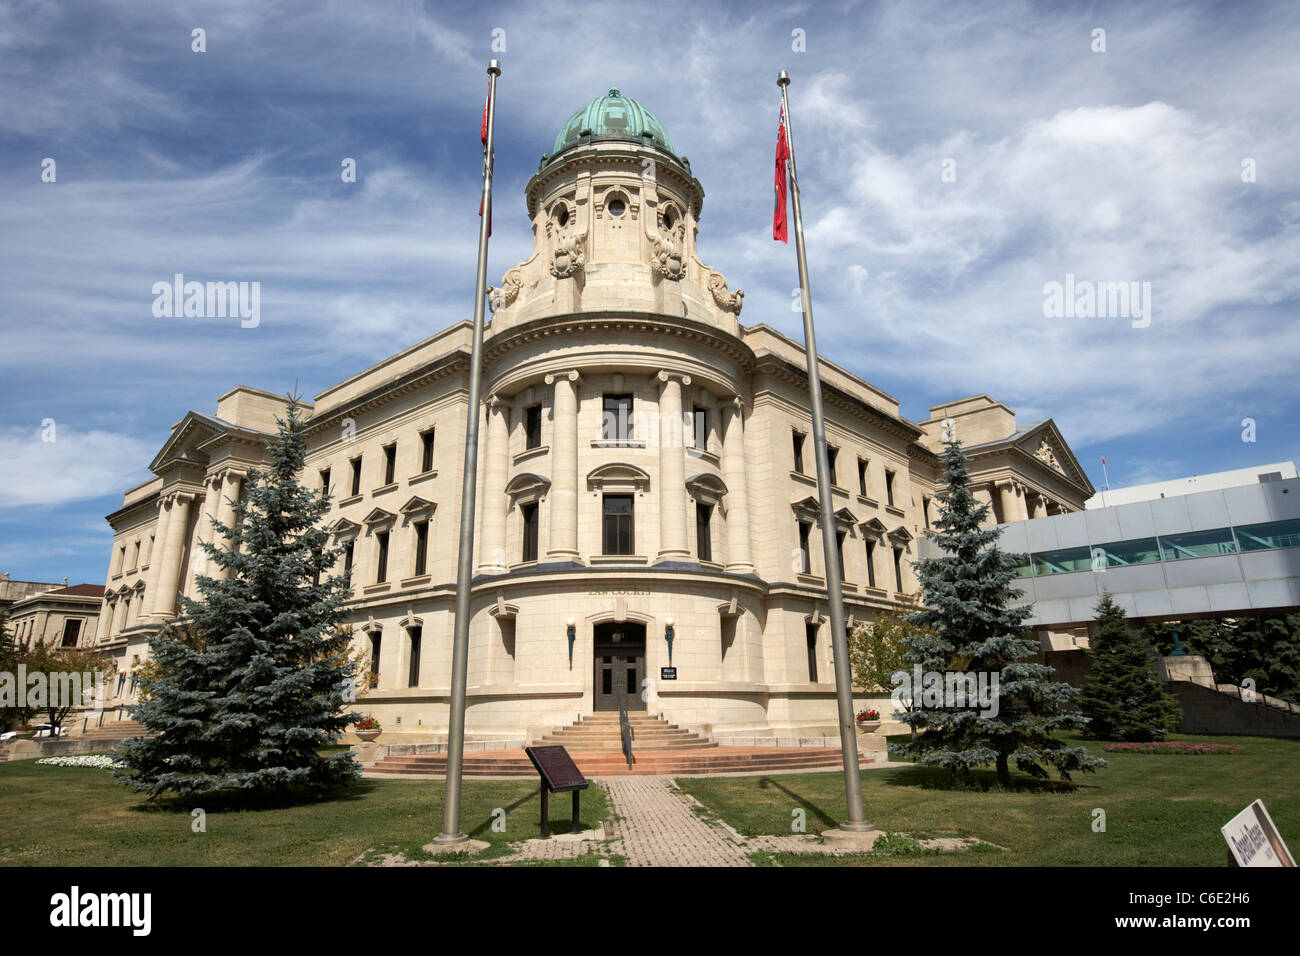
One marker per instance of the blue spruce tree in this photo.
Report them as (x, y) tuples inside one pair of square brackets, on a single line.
[(969, 624), (246, 689)]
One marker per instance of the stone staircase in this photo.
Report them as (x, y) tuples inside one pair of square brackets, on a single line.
[(601, 733), (112, 731), (697, 762)]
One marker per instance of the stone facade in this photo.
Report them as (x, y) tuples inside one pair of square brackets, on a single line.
[(61, 616), (645, 468)]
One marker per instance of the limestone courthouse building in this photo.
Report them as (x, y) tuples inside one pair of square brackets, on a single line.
[(647, 487)]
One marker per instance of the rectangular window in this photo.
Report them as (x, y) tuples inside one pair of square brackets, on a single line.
[(325, 480), (618, 524), (135, 555), (376, 643), (862, 478), (831, 455), (925, 511), (121, 559), (529, 513), (1273, 534), (533, 426), (71, 631), (889, 488), (421, 546), (700, 419), (426, 451), (703, 540), (805, 555), (390, 464), (810, 635), (871, 563), (898, 570), (1197, 544), (349, 550), (839, 551), (617, 422), (1120, 553), (381, 568), (413, 675), (356, 476), (798, 452)]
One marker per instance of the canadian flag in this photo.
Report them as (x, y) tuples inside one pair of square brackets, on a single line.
[(782, 154), (483, 137)]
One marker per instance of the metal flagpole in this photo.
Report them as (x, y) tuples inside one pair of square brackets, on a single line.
[(465, 565), (856, 822)]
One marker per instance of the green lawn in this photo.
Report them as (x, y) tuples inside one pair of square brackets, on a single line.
[(74, 816), (1160, 810)]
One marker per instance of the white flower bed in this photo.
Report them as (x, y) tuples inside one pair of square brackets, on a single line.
[(101, 761)]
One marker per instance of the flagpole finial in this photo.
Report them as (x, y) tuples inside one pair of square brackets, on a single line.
[(783, 79), (494, 67)]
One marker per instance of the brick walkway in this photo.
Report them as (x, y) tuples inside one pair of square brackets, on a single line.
[(657, 827)]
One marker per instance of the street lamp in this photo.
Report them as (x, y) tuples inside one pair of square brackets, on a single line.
[(573, 634), (668, 636)]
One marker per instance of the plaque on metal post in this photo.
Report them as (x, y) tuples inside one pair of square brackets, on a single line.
[(559, 774)]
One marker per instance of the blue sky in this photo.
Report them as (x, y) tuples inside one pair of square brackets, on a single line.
[(1122, 165)]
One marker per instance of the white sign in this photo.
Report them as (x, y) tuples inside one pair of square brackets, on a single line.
[(1254, 840)]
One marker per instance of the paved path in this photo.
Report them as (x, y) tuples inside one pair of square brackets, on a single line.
[(657, 827)]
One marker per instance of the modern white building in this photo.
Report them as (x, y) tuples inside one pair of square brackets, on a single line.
[(1217, 481)]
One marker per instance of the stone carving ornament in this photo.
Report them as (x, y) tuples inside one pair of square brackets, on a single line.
[(1047, 456), (727, 301), (669, 256), (505, 296), (569, 254)]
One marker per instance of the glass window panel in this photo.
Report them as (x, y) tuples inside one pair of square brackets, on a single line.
[(1197, 544), (1062, 561), (1137, 551), (1271, 534)]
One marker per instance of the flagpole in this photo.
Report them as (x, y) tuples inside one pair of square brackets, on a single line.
[(451, 832), (856, 822)]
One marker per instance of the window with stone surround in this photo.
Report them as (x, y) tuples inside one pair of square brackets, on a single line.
[(381, 564), (533, 427), (421, 546), (390, 463), (862, 478), (529, 514), (805, 554), (703, 538), (798, 439), (616, 422), (889, 488), (426, 451), (810, 637), (618, 524), (356, 476)]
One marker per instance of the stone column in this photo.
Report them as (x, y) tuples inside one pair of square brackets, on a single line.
[(492, 527), (739, 559), (229, 488), (1039, 505), (105, 622), (984, 495), (563, 543), (119, 616), (164, 602), (672, 469), (1010, 505), (155, 553), (203, 533)]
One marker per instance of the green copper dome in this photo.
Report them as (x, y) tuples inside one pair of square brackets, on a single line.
[(613, 116)]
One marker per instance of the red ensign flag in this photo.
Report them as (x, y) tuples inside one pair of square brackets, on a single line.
[(483, 136), (782, 154)]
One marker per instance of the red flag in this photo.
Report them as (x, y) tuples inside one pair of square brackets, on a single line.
[(483, 138), (782, 154)]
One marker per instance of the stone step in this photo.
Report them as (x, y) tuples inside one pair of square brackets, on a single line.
[(714, 760)]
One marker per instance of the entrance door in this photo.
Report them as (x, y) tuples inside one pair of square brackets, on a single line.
[(620, 665)]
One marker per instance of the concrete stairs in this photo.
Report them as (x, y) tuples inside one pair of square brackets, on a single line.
[(601, 733), (114, 731), (691, 762)]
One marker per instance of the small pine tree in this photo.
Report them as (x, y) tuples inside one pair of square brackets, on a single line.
[(970, 625), (1121, 697), (247, 690)]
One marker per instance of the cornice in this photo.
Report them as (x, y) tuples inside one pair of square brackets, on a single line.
[(449, 364)]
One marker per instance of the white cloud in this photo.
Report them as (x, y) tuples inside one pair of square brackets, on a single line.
[(76, 466)]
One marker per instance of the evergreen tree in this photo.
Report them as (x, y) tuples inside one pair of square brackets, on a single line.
[(252, 684), (1265, 649), (1121, 697), (970, 625)]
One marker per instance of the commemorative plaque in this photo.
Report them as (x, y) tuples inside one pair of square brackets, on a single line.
[(559, 774)]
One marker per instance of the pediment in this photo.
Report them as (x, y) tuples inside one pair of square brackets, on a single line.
[(183, 444), (527, 483), (1046, 444), (416, 505), (874, 527), (618, 474), (343, 526), (379, 516), (706, 485)]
